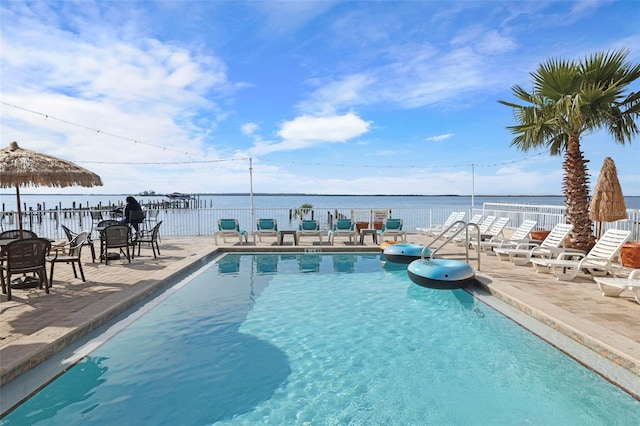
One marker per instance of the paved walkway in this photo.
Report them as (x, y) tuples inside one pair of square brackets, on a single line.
[(36, 325)]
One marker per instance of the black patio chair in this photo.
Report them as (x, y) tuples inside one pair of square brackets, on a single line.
[(107, 222), (72, 255), (96, 217), (15, 233), (151, 238), (88, 242), (150, 219), (24, 256), (115, 236)]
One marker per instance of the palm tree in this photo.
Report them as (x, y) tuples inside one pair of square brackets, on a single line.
[(569, 99), (302, 211)]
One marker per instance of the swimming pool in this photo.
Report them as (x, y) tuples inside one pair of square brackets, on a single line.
[(323, 339)]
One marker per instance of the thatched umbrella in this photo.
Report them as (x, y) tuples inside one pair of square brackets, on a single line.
[(22, 167), (607, 203)]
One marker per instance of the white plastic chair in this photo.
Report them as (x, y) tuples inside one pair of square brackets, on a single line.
[(525, 251), (266, 228), (229, 228), (598, 261), (519, 236), (437, 229), (343, 228), (613, 287)]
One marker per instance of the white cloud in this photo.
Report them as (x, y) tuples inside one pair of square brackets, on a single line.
[(112, 98), (286, 17), (493, 43), (585, 7), (424, 76), (306, 131), (336, 128), (249, 129), (438, 138), (335, 95)]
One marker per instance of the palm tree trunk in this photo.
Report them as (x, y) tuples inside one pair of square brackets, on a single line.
[(576, 192)]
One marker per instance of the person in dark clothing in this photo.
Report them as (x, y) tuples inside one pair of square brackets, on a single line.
[(133, 213)]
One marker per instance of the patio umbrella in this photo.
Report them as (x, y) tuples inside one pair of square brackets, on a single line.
[(22, 167), (607, 203)]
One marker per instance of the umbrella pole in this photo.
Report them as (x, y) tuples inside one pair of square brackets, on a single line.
[(19, 210)]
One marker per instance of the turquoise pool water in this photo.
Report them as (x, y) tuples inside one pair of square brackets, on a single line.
[(319, 339)]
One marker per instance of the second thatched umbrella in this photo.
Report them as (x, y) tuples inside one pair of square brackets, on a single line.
[(607, 203), (22, 167)]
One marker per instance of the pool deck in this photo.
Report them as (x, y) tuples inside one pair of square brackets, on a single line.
[(36, 325)]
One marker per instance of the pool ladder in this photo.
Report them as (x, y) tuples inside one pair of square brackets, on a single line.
[(457, 228)]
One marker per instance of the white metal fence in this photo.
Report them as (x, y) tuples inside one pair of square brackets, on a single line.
[(202, 221)]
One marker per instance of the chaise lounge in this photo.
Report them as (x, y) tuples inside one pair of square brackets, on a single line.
[(266, 228), (438, 229), (548, 248), (613, 287), (393, 228), (343, 228), (309, 228), (519, 236), (228, 228), (599, 260)]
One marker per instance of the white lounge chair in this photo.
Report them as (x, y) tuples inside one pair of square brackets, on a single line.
[(519, 236), (266, 228), (484, 228), (598, 261), (525, 251), (309, 228), (496, 229), (486, 224), (459, 220), (613, 287), (476, 218), (343, 228), (393, 228), (229, 228), (438, 229)]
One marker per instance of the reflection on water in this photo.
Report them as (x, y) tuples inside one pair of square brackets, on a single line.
[(309, 263), (344, 262), (229, 264), (266, 264)]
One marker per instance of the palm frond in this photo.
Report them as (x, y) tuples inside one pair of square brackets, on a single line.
[(556, 78), (570, 98)]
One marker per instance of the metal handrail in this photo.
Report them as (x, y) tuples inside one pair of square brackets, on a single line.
[(463, 227)]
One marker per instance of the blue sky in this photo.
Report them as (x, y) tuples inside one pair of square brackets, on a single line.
[(344, 97)]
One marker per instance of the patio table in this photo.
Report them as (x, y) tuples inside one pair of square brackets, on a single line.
[(289, 232), (368, 231)]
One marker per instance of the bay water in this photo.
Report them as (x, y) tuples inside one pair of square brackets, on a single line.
[(266, 201)]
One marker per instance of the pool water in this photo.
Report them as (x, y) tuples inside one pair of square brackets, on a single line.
[(320, 339)]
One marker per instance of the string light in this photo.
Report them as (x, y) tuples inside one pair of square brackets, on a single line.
[(365, 166), (220, 160), (98, 131)]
